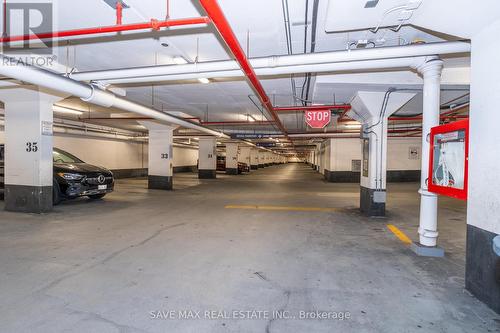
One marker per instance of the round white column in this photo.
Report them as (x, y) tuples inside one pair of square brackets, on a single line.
[(431, 72)]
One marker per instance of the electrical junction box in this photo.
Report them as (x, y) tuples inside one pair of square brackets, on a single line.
[(449, 157)]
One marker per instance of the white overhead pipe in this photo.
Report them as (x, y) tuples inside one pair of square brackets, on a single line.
[(281, 61), (34, 75), (89, 132), (283, 70)]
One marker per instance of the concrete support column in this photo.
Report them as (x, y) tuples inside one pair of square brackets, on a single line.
[(160, 155), (244, 156), (482, 269), (28, 149), (317, 157), (254, 159), (232, 158), (431, 73), (262, 159), (207, 164), (373, 109), (373, 170)]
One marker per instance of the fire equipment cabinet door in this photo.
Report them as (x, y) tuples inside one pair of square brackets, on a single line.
[(448, 161)]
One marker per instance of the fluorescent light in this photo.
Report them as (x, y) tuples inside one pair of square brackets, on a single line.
[(204, 80), (60, 109), (179, 60)]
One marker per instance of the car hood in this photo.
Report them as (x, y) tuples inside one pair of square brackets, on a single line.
[(78, 167)]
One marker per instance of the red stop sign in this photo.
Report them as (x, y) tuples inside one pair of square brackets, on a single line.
[(318, 118)]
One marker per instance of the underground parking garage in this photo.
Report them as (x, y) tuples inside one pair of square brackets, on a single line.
[(264, 166)]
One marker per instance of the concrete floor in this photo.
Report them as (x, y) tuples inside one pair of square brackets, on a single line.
[(110, 266)]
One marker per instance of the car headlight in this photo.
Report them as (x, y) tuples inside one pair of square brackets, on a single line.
[(70, 176)]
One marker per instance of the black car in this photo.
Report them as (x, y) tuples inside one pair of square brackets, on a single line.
[(73, 178)]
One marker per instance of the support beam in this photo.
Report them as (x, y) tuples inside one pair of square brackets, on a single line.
[(232, 151), (262, 159), (254, 159), (160, 155), (373, 109), (28, 149), (207, 158), (428, 231), (244, 156)]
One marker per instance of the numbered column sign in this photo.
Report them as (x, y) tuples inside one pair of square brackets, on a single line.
[(318, 118)]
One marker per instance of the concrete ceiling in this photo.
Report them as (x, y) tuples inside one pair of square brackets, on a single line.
[(262, 21)]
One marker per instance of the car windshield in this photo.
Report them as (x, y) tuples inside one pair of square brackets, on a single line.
[(60, 156)]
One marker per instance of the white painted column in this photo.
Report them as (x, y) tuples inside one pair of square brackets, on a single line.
[(366, 108), (316, 157), (160, 155), (207, 164), (244, 155), (232, 152), (431, 73), (28, 149), (262, 158), (254, 159)]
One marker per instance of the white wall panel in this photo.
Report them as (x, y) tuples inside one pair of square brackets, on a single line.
[(111, 154), (185, 156), (398, 153)]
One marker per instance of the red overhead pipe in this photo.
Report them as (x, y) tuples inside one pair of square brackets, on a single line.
[(153, 25), (119, 12), (215, 13), (311, 107)]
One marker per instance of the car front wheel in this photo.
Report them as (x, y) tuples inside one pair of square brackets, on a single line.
[(56, 193)]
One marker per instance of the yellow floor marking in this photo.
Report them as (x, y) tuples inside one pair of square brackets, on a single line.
[(399, 234), (285, 208)]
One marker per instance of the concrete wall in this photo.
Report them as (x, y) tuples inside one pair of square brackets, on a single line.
[(343, 152), (398, 153), (184, 157), (482, 275), (337, 159), (110, 154)]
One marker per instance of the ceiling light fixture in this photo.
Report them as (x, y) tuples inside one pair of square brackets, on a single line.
[(204, 80), (61, 109)]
